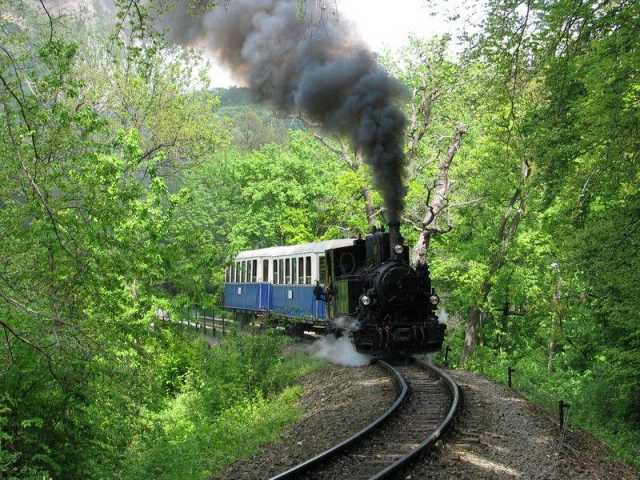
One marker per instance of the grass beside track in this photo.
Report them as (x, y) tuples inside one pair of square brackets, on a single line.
[(241, 397)]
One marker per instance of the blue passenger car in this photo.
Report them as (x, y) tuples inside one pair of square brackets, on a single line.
[(280, 281)]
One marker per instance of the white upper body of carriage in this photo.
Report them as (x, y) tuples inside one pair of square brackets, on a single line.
[(303, 264)]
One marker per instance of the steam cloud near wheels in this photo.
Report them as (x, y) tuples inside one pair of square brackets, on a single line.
[(327, 74)]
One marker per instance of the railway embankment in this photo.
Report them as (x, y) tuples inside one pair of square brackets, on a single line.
[(338, 402), (498, 434)]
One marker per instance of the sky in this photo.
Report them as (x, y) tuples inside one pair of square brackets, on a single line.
[(388, 24), (383, 25)]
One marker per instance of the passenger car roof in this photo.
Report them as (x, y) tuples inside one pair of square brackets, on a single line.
[(316, 247)]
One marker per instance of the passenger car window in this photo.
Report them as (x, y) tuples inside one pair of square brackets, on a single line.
[(301, 270), (287, 269), (308, 270), (294, 271), (275, 271), (265, 271), (254, 277), (281, 268)]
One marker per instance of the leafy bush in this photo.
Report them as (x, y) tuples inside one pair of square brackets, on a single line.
[(236, 398), (184, 412), (186, 441)]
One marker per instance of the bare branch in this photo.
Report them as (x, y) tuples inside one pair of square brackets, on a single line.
[(50, 20), (442, 184), (429, 193), (47, 209), (327, 145), (439, 231), (22, 307), (14, 64), (35, 347), (375, 214), (475, 201), (420, 119), (416, 226), (23, 111), (440, 193), (156, 148)]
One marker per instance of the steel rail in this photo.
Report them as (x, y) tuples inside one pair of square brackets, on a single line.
[(456, 403), (403, 388)]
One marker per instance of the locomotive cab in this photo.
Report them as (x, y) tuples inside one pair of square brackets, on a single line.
[(379, 299)]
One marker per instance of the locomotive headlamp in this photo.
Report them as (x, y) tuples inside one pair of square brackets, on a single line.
[(398, 249), (434, 299), (365, 300)]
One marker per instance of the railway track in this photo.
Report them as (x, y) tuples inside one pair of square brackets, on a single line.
[(427, 402)]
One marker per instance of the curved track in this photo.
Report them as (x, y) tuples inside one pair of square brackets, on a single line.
[(322, 458), (408, 429)]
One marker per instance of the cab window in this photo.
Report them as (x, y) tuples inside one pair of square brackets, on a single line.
[(322, 270)]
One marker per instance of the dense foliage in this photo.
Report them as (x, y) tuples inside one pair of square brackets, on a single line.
[(98, 146), (546, 255), (126, 185)]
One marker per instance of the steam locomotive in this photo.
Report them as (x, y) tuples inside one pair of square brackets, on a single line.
[(364, 288)]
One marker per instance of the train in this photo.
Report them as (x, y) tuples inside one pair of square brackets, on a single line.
[(365, 288)]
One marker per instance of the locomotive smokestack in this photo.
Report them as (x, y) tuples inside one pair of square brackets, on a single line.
[(395, 238), (329, 76)]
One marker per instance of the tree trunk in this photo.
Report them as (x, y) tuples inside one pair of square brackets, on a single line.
[(474, 324), (421, 248), (471, 333), (438, 198)]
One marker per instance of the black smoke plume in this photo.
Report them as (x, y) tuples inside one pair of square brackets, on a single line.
[(326, 74)]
